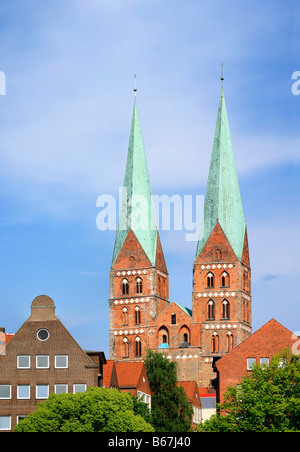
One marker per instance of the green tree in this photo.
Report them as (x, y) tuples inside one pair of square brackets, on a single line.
[(171, 411), (96, 410), (268, 400)]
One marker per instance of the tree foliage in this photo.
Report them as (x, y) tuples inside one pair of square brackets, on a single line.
[(96, 410), (268, 400), (171, 411)]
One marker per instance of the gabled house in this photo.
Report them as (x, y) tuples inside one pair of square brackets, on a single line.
[(128, 376), (191, 390), (42, 358), (132, 377), (272, 338)]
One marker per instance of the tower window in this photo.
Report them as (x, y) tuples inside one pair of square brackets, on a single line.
[(138, 347), (173, 319), (126, 347), (245, 280), (210, 310), (125, 316), (229, 341), (225, 309), (137, 314), (225, 280), (215, 342), (210, 280), (125, 287), (184, 336), (139, 285), (218, 254), (163, 337)]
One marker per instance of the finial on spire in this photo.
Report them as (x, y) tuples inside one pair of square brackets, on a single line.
[(135, 88), (222, 78)]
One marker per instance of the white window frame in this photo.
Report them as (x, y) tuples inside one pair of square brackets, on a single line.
[(42, 356), (36, 391), (9, 423), (249, 366), (9, 397), (266, 362), (61, 384), (145, 398), (18, 394), (18, 362), (61, 367), (78, 384), (196, 415), (20, 417)]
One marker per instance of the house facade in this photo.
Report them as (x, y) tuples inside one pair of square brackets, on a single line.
[(42, 358), (269, 340)]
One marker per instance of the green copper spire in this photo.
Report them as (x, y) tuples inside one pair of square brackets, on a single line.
[(223, 200), (137, 209)]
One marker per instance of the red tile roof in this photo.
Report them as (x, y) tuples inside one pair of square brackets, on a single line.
[(107, 371), (190, 387), (128, 373)]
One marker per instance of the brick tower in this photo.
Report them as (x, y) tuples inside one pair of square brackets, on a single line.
[(139, 284), (140, 313), (222, 276)]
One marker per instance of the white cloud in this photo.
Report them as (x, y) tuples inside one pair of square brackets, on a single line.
[(68, 110)]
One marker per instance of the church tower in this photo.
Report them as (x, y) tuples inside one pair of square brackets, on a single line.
[(139, 284), (221, 272)]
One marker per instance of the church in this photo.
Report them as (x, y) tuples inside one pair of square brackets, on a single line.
[(141, 315)]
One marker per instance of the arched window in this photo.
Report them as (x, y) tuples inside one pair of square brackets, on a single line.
[(125, 287), (125, 316), (215, 343), (225, 280), (229, 338), (246, 280), (210, 280), (126, 347), (225, 309), (184, 336), (139, 285), (218, 254), (138, 346), (163, 337), (137, 314), (210, 310)]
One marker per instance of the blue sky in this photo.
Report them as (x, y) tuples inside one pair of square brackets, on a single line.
[(64, 131)]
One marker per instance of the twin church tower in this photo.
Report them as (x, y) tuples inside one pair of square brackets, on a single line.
[(141, 316)]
